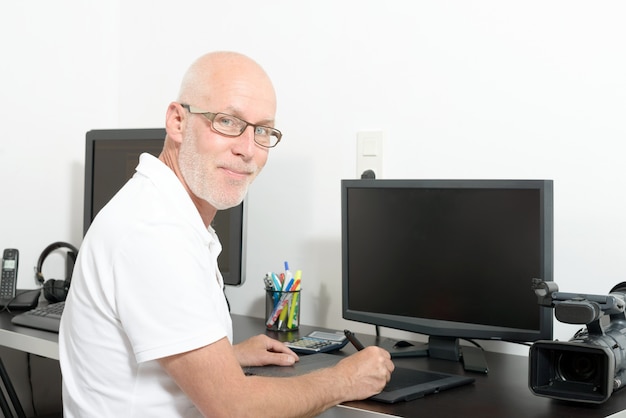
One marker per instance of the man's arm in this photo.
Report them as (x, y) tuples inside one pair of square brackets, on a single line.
[(214, 381)]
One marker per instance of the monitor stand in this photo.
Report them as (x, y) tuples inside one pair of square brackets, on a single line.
[(445, 348), (402, 348)]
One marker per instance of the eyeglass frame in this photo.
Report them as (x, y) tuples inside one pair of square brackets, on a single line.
[(211, 117)]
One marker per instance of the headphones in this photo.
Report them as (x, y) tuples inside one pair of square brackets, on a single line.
[(56, 290)]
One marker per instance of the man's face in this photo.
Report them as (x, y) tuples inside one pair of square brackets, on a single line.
[(217, 168)]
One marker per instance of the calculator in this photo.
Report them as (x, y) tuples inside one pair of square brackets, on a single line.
[(318, 342)]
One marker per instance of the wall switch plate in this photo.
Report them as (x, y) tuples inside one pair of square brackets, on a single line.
[(369, 153)]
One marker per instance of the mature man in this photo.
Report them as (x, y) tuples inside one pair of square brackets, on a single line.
[(146, 329)]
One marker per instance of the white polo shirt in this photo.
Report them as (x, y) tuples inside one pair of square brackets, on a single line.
[(145, 286)]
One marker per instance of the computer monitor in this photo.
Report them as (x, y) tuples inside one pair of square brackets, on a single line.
[(110, 160), (450, 259)]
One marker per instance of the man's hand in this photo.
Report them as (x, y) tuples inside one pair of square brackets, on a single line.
[(367, 371), (262, 350)]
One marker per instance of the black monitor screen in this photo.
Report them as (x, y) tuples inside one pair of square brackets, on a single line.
[(111, 158), (452, 258)]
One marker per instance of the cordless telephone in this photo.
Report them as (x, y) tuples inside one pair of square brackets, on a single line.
[(8, 282)]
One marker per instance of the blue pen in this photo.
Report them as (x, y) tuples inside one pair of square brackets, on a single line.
[(277, 288), (288, 274), (288, 287), (277, 285)]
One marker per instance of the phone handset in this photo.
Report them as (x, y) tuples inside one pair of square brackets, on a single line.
[(8, 281)]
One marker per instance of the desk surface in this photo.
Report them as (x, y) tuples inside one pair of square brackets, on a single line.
[(41, 343), (502, 393)]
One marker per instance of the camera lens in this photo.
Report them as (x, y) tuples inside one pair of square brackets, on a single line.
[(577, 367)]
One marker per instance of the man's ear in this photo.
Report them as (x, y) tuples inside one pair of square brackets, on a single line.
[(175, 120)]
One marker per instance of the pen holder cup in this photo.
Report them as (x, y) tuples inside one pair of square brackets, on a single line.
[(282, 310)]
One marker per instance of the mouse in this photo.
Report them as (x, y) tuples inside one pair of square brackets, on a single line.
[(402, 344)]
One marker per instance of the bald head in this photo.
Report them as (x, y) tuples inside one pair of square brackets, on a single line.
[(216, 169), (216, 71)]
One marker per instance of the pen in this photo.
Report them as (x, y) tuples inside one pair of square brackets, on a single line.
[(293, 320), (283, 301), (287, 271), (352, 338), (269, 285), (277, 284), (287, 287)]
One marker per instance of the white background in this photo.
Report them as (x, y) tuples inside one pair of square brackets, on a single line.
[(461, 89)]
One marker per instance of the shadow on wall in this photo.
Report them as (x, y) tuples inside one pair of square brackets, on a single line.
[(257, 307), (321, 304), (321, 280)]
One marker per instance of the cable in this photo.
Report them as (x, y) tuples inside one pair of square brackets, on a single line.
[(472, 342), (7, 303), (30, 384)]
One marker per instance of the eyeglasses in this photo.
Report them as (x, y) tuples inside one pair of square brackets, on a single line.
[(232, 126)]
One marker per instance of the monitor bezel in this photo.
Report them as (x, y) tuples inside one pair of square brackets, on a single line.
[(235, 276), (451, 329)]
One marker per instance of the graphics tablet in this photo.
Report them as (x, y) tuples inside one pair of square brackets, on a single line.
[(405, 384)]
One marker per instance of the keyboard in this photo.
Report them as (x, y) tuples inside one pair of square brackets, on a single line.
[(47, 317)]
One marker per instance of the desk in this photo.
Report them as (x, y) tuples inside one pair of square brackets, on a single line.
[(41, 343), (502, 393)]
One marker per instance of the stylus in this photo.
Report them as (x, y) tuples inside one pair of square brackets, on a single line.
[(353, 339)]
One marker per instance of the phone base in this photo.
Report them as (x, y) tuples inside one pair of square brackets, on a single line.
[(24, 300)]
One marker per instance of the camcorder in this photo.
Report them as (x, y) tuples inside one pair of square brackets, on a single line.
[(590, 366)]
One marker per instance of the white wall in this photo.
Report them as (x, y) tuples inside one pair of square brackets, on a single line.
[(482, 89)]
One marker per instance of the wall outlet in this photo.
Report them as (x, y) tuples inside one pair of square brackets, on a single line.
[(369, 153)]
